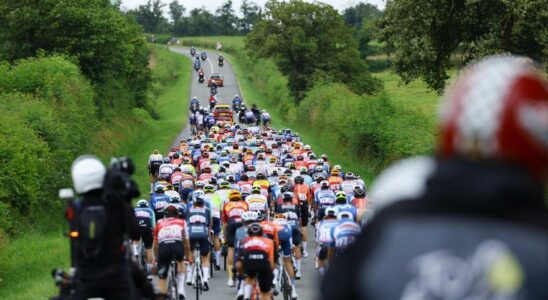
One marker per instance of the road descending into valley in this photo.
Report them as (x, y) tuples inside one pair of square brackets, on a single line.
[(308, 286)]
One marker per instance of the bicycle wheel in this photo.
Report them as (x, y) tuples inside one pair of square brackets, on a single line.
[(172, 283), (286, 285)]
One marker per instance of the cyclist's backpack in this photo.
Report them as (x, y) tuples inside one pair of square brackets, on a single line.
[(92, 225)]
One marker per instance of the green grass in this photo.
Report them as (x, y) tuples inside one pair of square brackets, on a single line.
[(26, 262)]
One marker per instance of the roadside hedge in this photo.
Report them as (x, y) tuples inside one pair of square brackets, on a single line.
[(48, 118)]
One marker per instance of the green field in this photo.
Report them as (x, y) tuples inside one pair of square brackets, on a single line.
[(26, 262)]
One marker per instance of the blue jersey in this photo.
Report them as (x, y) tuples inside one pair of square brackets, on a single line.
[(145, 217), (324, 198), (344, 234), (324, 236), (349, 208), (198, 219), (159, 201), (237, 101), (293, 213)]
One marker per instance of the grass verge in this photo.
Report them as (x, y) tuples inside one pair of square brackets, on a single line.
[(26, 262)]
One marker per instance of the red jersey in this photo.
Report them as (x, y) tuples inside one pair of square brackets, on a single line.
[(170, 229), (233, 210), (258, 244), (359, 203), (205, 176), (301, 163), (176, 161)]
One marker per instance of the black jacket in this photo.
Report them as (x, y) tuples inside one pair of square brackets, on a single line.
[(479, 229)]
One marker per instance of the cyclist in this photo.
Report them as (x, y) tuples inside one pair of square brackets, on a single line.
[(171, 241), (324, 197), (154, 162), (198, 218), (324, 238), (248, 217), (146, 220), (343, 234), (359, 201), (293, 217), (335, 180), (232, 220), (484, 192), (303, 193), (166, 169), (342, 205), (181, 207), (158, 202), (256, 261), (285, 232)]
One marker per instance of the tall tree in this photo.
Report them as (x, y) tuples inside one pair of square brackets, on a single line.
[(226, 18), (151, 16), (356, 15), (201, 22), (251, 14), (426, 37), (309, 42), (177, 11)]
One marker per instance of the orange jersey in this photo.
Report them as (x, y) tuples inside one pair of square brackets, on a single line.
[(270, 230), (335, 182), (234, 210), (303, 193)]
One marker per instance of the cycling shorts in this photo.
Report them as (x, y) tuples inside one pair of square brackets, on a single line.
[(154, 168), (146, 236), (166, 252), (256, 265), (231, 232), (285, 242), (321, 252), (304, 213), (216, 226), (184, 192), (203, 244), (296, 236)]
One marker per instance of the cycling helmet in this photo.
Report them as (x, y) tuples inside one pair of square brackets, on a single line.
[(335, 172), (166, 160), (287, 196), (261, 216), (344, 215), (304, 170), (299, 179), (213, 181), (200, 184), (209, 189), (331, 212), (176, 155), (175, 199), (324, 184), (261, 175), (288, 172), (88, 173), (249, 216), (159, 188), (186, 160), (285, 188), (224, 185), (337, 167), (307, 147), (256, 189), (359, 193), (318, 169), (171, 211), (312, 156), (199, 200), (251, 168), (320, 161), (244, 177), (255, 229), (349, 175), (206, 169), (234, 196), (497, 110), (142, 203), (300, 157), (340, 198), (197, 194), (230, 178)]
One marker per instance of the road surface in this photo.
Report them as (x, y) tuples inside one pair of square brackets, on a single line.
[(308, 286)]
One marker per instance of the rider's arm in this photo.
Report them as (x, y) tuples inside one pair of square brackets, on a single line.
[(186, 243)]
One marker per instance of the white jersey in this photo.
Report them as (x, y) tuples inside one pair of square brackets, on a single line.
[(172, 193), (265, 116), (155, 157), (166, 169)]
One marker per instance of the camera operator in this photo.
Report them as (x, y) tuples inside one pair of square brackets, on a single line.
[(105, 222)]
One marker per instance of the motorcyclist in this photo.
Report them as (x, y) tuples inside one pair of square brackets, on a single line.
[(221, 60), (475, 207), (201, 75), (236, 103), (213, 87)]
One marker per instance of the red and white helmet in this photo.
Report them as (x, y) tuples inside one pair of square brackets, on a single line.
[(498, 109)]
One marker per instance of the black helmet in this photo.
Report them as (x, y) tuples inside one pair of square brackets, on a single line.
[(287, 196), (176, 155), (166, 160), (244, 177), (359, 193), (261, 175), (255, 229), (299, 179), (159, 189), (199, 201)]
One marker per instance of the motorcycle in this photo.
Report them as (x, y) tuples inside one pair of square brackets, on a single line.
[(212, 103), (201, 78), (213, 90), (203, 56), (192, 52), (236, 107), (221, 63), (197, 65)]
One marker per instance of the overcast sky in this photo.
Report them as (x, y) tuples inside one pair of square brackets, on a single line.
[(211, 5)]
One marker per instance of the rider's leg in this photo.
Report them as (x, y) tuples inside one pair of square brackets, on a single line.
[(181, 268), (217, 248), (230, 263)]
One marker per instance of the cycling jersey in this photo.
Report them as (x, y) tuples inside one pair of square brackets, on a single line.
[(145, 217), (323, 232), (158, 202), (344, 234), (335, 182), (233, 211), (198, 220), (170, 230), (349, 208), (257, 202)]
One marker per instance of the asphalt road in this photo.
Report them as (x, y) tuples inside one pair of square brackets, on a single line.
[(308, 286)]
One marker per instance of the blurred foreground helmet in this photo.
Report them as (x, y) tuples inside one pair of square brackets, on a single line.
[(88, 173), (498, 109)]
